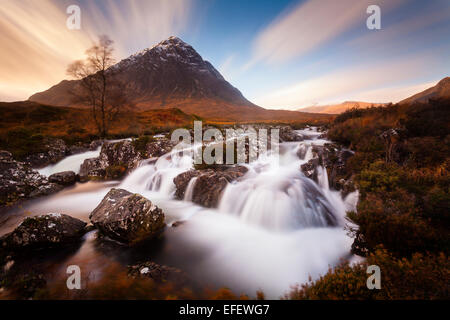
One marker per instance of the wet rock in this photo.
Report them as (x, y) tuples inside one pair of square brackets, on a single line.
[(55, 150), (156, 272), (127, 217), (78, 148), (19, 181), (46, 189), (46, 231), (334, 159), (92, 169), (159, 147), (287, 134), (209, 184), (116, 159), (112, 154), (309, 169), (65, 178), (95, 144)]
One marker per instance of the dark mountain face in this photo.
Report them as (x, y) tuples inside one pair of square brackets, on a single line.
[(170, 72), (173, 75)]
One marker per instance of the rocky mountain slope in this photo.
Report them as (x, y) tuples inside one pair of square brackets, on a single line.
[(172, 74)]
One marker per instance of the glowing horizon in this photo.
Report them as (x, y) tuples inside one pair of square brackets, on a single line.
[(282, 55)]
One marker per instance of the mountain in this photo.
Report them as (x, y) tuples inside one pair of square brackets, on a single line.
[(440, 90), (172, 74), (339, 108)]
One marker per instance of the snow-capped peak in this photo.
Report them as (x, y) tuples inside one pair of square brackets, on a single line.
[(172, 47)]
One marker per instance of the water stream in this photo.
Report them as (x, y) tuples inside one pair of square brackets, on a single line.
[(272, 229)]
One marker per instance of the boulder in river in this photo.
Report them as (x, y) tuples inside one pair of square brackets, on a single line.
[(45, 231), (127, 217), (65, 178), (334, 159), (287, 134), (118, 158), (55, 150), (19, 181), (209, 183)]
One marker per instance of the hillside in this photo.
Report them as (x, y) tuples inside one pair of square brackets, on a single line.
[(401, 165), (440, 90)]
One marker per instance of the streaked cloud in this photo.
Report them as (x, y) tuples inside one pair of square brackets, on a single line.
[(392, 94), (137, 24), (37, 46), (226, 66), (353, 83), (310, 25)]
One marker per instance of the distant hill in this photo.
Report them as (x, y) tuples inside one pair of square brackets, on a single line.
[(171, 75), (440, 90), (339, 108)]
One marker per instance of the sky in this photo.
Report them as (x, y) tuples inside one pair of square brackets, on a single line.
[(280, 54)]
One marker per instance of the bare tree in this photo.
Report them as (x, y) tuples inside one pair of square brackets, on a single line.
[(99, 87)]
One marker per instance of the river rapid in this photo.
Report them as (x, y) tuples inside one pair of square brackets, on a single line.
[(268, 233)]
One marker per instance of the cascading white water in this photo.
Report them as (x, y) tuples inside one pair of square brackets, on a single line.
[(71, 163), (275, 194), (190, 189), (273, 228)]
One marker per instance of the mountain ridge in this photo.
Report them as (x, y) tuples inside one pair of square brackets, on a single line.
[(440, 90)]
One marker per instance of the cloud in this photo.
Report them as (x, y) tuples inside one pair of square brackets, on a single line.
[(351, 83), (310, 25), (37, 46), (392, 94), (137, 24), (225, 67)]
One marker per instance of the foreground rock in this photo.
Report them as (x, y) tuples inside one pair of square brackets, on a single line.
[(127, 217), (116, 159), (55, 150), (46, 231), (209, 183), (334, 159), (19, 181), (65, 178), (287, 134), (156, 272)]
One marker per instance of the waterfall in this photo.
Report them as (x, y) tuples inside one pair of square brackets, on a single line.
[(190, 189), (322, 177), (71, 163), (273, 227), (273, 194)]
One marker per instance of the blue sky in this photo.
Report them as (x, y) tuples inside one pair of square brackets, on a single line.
[(280, 54)]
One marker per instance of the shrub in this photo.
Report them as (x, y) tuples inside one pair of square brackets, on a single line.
[(422, 276)]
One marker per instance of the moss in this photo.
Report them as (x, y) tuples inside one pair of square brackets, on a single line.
[(116, 171), (140, 144)]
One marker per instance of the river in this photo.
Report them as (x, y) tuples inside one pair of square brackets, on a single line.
[(268, 233)]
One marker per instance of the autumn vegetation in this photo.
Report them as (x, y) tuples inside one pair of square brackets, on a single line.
[(403, 218)]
